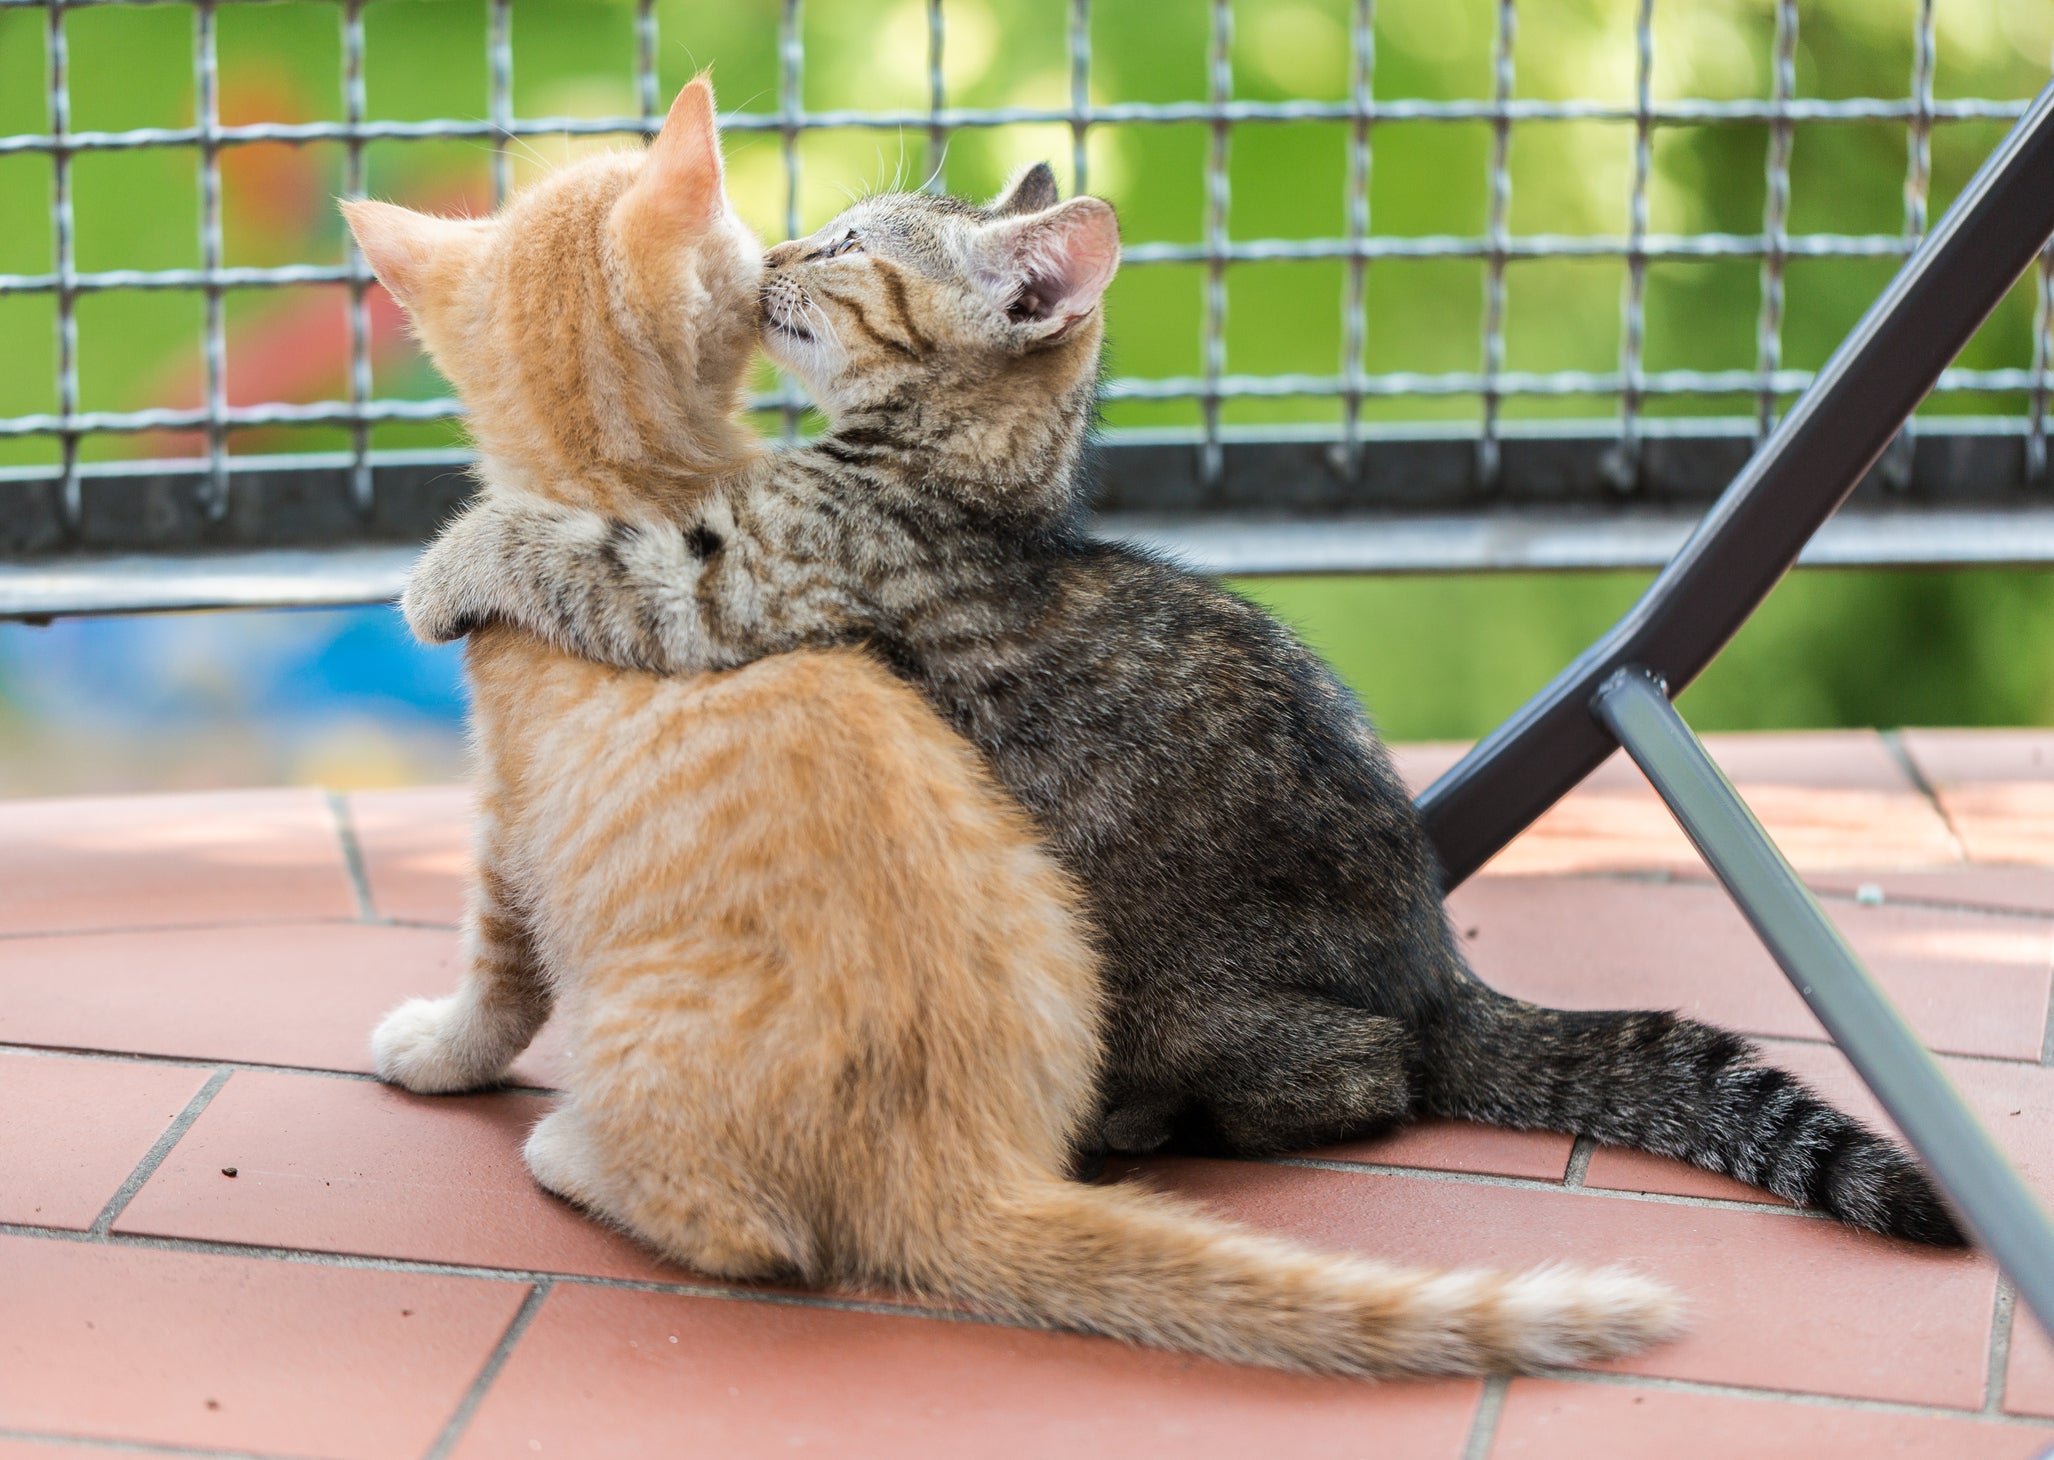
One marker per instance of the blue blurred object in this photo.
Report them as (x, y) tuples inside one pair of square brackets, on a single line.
[(182, 672)]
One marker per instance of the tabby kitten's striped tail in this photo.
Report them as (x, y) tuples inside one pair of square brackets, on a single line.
[(1662, 1083), (1133, 1265)]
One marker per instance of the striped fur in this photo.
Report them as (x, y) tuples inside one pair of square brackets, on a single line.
[(1269, 910), (1282, 969), (835, 1016)]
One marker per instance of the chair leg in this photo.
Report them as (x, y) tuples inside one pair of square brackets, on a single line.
[(1993, 1203), (1803, 472)]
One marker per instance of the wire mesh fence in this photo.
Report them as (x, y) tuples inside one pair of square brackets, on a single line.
[(1364, 413)]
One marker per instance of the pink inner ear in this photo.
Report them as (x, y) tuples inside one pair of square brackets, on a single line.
[(1068, 256)]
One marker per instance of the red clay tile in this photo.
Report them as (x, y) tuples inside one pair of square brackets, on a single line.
[(1460, 1145), (22, 1449), (1546, 1420), (2015, 1102), (1970, 983), (76, 863), (2005, 823), (352, 1166), (237, 1354), (1777, 1301), (290, 994), (1997, 788), (2029, 1379), (416, 845), (1965, 757), (626, 1374), (75, 1129), (1830, 799), (1998, 888), (1836, 760)]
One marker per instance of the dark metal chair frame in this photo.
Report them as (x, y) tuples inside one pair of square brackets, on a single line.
[(1618, 692)]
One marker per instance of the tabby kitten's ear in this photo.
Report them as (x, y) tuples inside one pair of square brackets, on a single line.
[(407, 250), (682, 184), (1032, 189), (1048, 270)]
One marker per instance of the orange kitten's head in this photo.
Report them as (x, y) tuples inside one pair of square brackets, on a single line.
[(599, 326), (910, 295)]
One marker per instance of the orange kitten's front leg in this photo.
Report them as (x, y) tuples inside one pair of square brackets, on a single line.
[(465, 1041)]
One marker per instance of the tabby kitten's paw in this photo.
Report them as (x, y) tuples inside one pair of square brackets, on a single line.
[(433, 1047), (448, 593), (438, 602)]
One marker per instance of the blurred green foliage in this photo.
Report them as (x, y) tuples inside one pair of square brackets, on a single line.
[(1436, 657)]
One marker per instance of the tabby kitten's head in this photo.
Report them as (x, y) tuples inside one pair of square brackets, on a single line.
[(599, 326), (985, 312)]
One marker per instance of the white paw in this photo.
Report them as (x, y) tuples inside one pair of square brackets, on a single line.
[(430, 1046)]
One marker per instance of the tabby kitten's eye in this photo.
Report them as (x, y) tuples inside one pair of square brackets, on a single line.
[(845, 244)]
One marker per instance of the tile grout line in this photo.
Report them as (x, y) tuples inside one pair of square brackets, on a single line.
[(1483, 1426), (1654, 877), (335, 1072), (501, 1352), (1580, 1153), (1661, 1383), (423, 1267), (1893, 742), (154, 1157), (130, 930), (535, 1278), (1531, 1183), (1573, 1178), (187, 1061), (2001, 1316), (352, 857), (95, 1444), (384, 1263)]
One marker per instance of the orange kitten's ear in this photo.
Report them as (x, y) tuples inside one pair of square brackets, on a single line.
[(1049, 270), (682, 176), (1032, 189), (404, 248)]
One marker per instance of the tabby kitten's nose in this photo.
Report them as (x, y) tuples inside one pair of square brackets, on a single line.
[(783, 254)]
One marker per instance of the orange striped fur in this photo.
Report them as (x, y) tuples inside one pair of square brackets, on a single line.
[(833, 1012)]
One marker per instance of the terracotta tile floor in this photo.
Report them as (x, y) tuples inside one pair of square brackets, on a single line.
[(187, 982)]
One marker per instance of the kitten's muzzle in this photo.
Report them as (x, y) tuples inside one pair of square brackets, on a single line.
[(781, 306)]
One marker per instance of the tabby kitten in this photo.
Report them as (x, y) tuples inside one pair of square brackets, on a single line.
[(1282, 970), (833, 1012)]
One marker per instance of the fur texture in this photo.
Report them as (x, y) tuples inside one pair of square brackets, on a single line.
[(1282, 970), (834, 1013)]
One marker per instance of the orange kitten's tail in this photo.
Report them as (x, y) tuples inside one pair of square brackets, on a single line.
[(1132, 1265)]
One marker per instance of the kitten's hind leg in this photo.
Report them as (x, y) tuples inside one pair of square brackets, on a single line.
[(691, 1215), (559, 1156), (465, 1041), (1304, 1072)]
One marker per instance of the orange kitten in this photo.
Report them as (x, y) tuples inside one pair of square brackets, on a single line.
[(834, 1015)]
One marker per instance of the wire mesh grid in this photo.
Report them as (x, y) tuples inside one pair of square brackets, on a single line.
[(1350, 384)]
